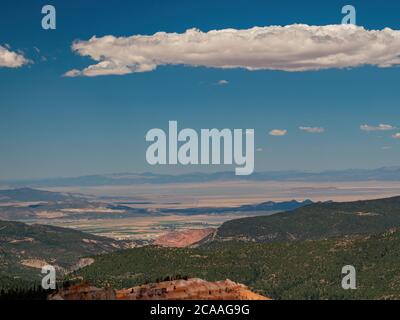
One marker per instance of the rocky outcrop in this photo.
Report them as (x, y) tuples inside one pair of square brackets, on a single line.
[(191, 289)]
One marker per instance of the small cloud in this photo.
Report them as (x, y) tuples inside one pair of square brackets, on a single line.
[(72, 73), (223, 82), (381, 127), (259, 149), (312, 129), (42, 57), (396, 135), (11, 59), (387, 147), (278, 132)]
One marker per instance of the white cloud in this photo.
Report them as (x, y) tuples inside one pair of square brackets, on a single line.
[(259, 149), (312, 129), (72, 73), (223, 82), (396, 136), (296, 47), (381, 127), (387, 147), (11, 59), (278, 132)]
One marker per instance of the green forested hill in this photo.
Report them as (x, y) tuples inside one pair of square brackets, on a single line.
[(295, 270), (316, 221), (61, 247)]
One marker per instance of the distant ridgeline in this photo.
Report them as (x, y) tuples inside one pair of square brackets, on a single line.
[(267, 207), (316, 221), (32, 195), (126, 178)]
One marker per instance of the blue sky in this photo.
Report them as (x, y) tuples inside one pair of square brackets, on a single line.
[(52, 125)]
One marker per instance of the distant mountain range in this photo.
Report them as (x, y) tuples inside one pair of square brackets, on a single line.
[(22, 204), (260, 208), (381, 174), (27, 204), (32, 195), (41, 197)]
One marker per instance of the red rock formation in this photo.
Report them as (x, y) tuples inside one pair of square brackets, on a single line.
[(184, 238), (191, 289)]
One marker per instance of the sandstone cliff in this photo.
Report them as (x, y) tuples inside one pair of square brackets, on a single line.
[(191, 289)]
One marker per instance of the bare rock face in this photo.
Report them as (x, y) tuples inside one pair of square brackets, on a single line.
[(192, 289), (184, 238), (83, 291)]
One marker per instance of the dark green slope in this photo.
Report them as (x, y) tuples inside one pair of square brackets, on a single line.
[(295, 270), (316, 221), (60, 247)]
